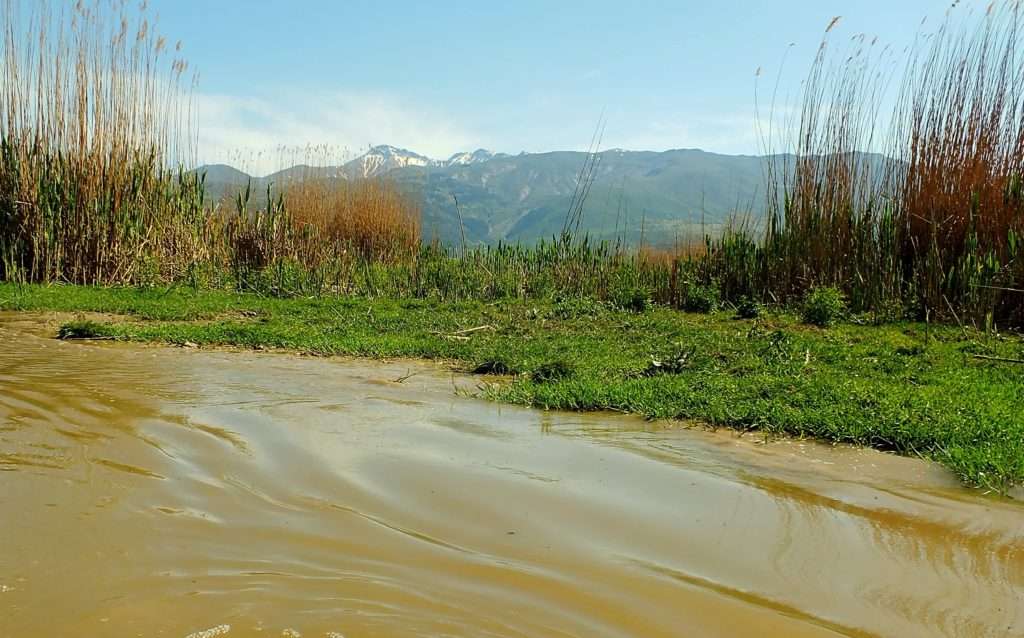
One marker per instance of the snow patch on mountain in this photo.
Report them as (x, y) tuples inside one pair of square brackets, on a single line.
[(379, 160), (467, 158)]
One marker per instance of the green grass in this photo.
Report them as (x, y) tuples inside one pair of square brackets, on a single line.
[(902, 387)]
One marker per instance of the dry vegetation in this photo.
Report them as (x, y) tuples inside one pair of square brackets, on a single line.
[(371, 216)]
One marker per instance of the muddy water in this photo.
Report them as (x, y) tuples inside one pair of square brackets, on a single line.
[(171, 492)]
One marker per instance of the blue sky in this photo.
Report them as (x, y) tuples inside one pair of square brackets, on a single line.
[(439, 77)]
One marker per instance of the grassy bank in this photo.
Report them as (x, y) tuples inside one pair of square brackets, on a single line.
[(940, 392)]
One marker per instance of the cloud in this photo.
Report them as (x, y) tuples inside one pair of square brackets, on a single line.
[(261, 135), (253, 130)]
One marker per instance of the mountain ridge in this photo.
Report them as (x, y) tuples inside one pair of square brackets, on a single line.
[(661, 197)]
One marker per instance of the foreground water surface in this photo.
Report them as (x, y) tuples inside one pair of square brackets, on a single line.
[(170, 492)]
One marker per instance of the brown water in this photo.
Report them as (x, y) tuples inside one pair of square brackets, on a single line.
[(170, 492)]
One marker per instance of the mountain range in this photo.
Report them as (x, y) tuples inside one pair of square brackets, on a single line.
[(656, 197)]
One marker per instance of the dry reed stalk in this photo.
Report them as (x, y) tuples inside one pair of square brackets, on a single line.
[(370, 216)]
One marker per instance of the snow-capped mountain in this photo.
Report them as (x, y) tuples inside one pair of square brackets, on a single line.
[(467, 158), (377, 162), (382, 159)]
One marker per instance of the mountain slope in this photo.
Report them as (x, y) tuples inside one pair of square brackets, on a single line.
[(526, 197), (662, 195)]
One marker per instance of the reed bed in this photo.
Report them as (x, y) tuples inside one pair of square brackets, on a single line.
[(371, 216), (931, 224), (92, 115)]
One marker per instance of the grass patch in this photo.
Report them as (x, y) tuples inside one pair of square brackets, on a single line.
[(82, 329), (823, 306), (939, 392)]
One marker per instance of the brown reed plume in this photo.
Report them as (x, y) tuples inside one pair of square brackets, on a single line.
[(370, 216), (960, 198)]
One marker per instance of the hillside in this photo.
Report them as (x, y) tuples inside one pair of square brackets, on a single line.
[(525, 197)]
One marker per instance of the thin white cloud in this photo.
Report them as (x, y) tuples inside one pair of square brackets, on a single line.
[(261, 135), (251, 130)]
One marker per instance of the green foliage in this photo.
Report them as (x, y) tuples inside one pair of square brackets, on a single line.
[(701, 298), (823, 306), (576, 307), (552, 371), (629, 296), (747, 308), (676, 363)]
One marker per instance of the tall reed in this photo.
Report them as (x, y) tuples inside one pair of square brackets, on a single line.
[(960, 204), (921, 212), (371, 216), (92, 117)]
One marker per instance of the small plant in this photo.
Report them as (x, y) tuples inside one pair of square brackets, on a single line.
[(493, 366), (823, 306), (912, 351), (576, 307), (675, 364), (774, 346), (747, 308), (630, 297), (700, 298), (552, 371), (80, 329)]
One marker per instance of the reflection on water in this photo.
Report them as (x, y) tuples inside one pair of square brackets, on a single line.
[(151, 491)]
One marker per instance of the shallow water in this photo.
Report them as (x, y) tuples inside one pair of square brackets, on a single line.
[(170, 492)]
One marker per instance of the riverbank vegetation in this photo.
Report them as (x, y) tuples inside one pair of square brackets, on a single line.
[(941, 392), (932, 229), (97, 135)]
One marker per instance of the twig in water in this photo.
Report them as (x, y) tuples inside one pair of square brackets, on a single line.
[(409, 374), (462, 227), (1003, 288), (955, 316), (486, 326)]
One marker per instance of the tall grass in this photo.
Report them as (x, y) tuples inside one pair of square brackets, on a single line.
[(93, 114), (371, 216), (933, 224)]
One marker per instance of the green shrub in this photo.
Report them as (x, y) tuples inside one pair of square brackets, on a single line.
[(700, 298), (630, 297), (747, 308), (823, 306)]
